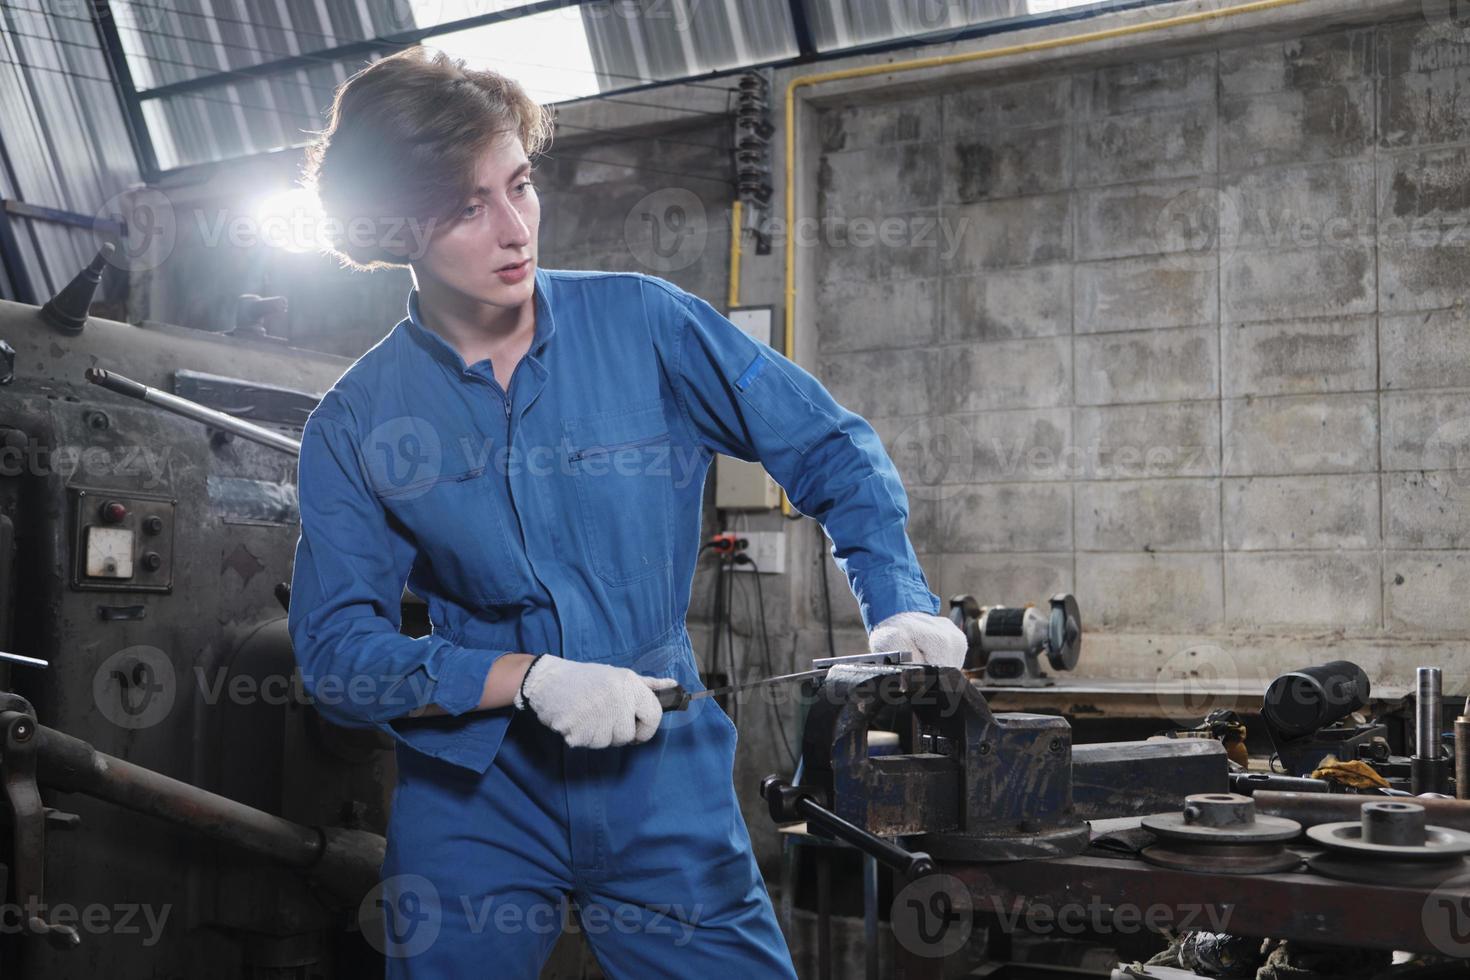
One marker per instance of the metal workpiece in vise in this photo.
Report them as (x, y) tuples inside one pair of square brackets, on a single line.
[(1008, 642), (966, 783), (29, 819)]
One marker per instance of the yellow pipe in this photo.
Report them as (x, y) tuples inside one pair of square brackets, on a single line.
[(940, 61), (733, 300)]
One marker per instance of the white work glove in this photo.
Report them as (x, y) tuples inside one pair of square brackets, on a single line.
[(931, 639), (593, 705)]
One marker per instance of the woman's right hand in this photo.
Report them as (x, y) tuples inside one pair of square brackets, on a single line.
[(594, 705)]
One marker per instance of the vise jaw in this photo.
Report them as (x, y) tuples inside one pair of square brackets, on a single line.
[(972, 784)]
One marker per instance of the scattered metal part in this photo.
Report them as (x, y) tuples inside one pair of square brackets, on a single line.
[(1391, 842), (1308, 715), (1249, 783), (1310, 809), (883, 657), (1428, 769), (1462, 753), (67, 310), (1220, 832)]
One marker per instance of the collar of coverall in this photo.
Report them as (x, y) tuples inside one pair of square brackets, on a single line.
[(445, 352)]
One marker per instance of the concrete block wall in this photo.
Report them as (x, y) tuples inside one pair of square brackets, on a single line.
[(1188, 338)]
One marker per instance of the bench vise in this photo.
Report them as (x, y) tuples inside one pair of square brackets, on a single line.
[(914, 751)]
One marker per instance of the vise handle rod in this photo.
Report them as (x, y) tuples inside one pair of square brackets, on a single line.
[(788, 803)]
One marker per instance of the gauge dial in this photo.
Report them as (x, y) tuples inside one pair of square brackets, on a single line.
[(109, 552)]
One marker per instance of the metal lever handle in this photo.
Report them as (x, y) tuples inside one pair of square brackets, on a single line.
[(18, 728), (788, 803)]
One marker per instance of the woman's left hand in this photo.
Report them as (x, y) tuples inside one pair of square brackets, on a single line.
[(931, 639)]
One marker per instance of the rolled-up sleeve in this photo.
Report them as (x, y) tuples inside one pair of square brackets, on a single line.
[(744, 399), (352, 563)]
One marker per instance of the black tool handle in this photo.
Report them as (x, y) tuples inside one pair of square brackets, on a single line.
[(673, 698), (788, 802)]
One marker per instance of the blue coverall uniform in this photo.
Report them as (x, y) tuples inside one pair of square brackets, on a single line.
[(562, 515)]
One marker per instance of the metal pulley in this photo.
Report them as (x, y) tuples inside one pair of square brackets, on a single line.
[(1221, 833), (1391, 842)]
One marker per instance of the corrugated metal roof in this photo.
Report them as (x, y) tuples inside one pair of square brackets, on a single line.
[(680, 39), (628, 44), (67, 145), (199, 38), (839, 24), (63, 141)]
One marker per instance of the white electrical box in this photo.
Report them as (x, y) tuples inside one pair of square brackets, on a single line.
[(744, 486), (740, 485), (767, 549), (756, 321)]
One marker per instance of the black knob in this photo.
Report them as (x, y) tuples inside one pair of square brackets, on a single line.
[(153, 524), (152, 560)]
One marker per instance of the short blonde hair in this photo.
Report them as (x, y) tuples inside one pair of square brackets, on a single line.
[(402, 143)]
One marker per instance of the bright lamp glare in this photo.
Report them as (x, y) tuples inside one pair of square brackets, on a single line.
[(291, 220)]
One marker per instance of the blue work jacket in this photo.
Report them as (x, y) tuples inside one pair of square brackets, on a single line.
[(561, 515)]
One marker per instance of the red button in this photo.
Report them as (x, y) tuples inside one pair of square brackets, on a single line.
[(114, 511)]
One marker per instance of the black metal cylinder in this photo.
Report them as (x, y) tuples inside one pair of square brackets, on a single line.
[(1308, 700), (1428, 684), (1428, 775)]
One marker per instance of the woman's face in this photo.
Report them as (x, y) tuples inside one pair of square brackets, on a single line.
[(495, 228)]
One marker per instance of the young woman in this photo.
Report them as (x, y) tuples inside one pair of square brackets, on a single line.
[(527, 451)]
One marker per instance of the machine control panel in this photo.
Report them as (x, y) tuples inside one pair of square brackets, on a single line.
[(123, 541)]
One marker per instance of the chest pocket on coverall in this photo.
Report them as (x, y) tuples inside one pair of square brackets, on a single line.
[(620, 463), (458, 529)]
